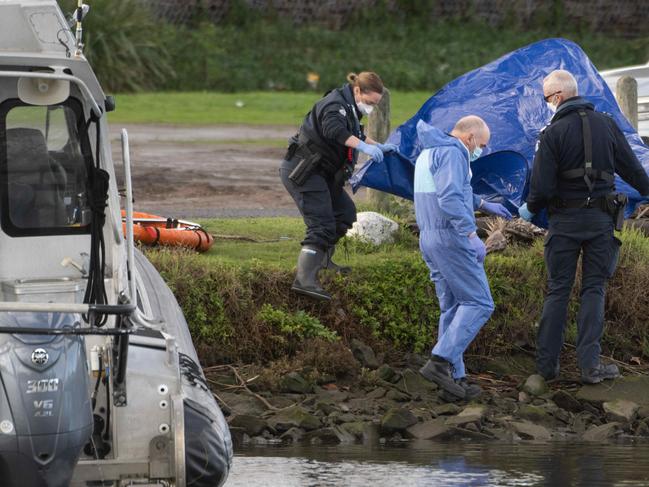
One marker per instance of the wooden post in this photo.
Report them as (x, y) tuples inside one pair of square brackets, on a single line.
[(378, 128), (626, 93)]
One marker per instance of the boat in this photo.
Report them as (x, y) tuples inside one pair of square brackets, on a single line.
[(156, 230), (101, 384)]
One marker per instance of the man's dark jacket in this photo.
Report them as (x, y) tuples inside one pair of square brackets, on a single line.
[(561, 148), (331, 121)]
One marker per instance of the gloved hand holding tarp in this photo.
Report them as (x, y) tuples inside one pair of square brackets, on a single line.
[(508, 94)]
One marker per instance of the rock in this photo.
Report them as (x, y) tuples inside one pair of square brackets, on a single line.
[(294, 417), (239, 436), (386, 373), (252, 425), (535, 385), (434, 429), (533, 413), (601, 433), (377, 393), (397, 419), (643, 412), (446, 409), (327, 407), (365, 431), (243, 404), (620, 410), (335, 396), (398, 396), (373, 228), (328, 436), (294, 382), (642, 429), (631, 388), (293, 435), (565, 400), (470, 414), (530, 431), (364, 354), (413, 383), (524, 397), (563, 416)]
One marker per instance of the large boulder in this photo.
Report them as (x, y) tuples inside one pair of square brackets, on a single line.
[(297, 417), (470, 414), (620, 410), (435, 429), (634, 389), (602, 433), (373, 228), (294, 382), (531, 431), (397, 419), (251, 425), (364, 354), (535, 385)]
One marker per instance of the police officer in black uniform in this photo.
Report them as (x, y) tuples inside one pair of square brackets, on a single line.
[(573, 178), (320, 158)]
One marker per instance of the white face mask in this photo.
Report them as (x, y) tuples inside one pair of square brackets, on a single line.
[(365, 108)]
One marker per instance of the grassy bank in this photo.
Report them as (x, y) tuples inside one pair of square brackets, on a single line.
[(240, 309), (256, 108)]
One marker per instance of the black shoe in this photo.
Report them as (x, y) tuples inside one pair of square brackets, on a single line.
[(328, 264), (471, 391), (599, 373), (551, 376), (439, 371), (306, 280)]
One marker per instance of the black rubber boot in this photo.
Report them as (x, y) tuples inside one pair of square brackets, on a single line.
[(306, 281), (330, 265)]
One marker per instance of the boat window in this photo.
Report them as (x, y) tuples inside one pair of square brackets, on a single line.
[(44, 185)]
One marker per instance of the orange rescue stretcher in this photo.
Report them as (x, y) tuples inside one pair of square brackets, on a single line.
[(154, 230)]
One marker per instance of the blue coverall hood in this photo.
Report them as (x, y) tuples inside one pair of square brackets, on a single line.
[(430, 136)]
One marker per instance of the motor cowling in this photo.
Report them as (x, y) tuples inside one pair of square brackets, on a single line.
[(45, 407)]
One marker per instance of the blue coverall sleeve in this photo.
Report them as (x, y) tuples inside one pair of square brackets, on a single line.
[(476, 201), (449, 175)]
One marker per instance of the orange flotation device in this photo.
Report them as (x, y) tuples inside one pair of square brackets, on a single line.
[(154, 230)]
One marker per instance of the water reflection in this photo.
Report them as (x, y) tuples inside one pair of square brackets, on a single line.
[(439, 464)]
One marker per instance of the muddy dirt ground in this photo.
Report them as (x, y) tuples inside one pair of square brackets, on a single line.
[(212, 171)]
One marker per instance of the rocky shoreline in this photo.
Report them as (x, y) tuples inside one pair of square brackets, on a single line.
[(388, 404)]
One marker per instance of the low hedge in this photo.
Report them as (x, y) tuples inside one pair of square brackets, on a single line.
[(247, 313)]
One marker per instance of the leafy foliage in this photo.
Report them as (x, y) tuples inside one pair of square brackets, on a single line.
[(122, 43), (298, 324)]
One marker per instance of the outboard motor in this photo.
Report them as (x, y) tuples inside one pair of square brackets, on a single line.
[(45, 412)]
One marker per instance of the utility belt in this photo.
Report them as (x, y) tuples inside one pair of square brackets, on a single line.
[(613, 204), (312, 161)]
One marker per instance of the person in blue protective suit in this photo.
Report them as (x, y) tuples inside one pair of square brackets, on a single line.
[(573, 178), (450, 246), (320, 158)]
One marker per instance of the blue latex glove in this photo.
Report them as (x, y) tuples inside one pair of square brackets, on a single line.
[(496, 209), (371, 150), (524, 213), (388, 147), (479, 247)]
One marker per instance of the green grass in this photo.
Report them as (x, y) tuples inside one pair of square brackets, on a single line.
[(277, 242), (259, 108)]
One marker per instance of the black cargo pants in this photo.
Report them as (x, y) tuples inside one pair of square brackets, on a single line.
[(327, 209), (589, 232)]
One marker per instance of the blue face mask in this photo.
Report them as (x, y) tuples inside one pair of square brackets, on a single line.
[(477, 152)]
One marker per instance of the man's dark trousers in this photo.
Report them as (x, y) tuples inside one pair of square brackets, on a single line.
[(588, 231)]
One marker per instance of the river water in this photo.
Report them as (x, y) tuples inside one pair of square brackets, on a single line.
[(444, 464)]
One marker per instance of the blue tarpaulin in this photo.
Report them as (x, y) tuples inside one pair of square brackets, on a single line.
[(508, 94)]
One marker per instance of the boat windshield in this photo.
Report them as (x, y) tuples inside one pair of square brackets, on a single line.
[(44, 190)]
